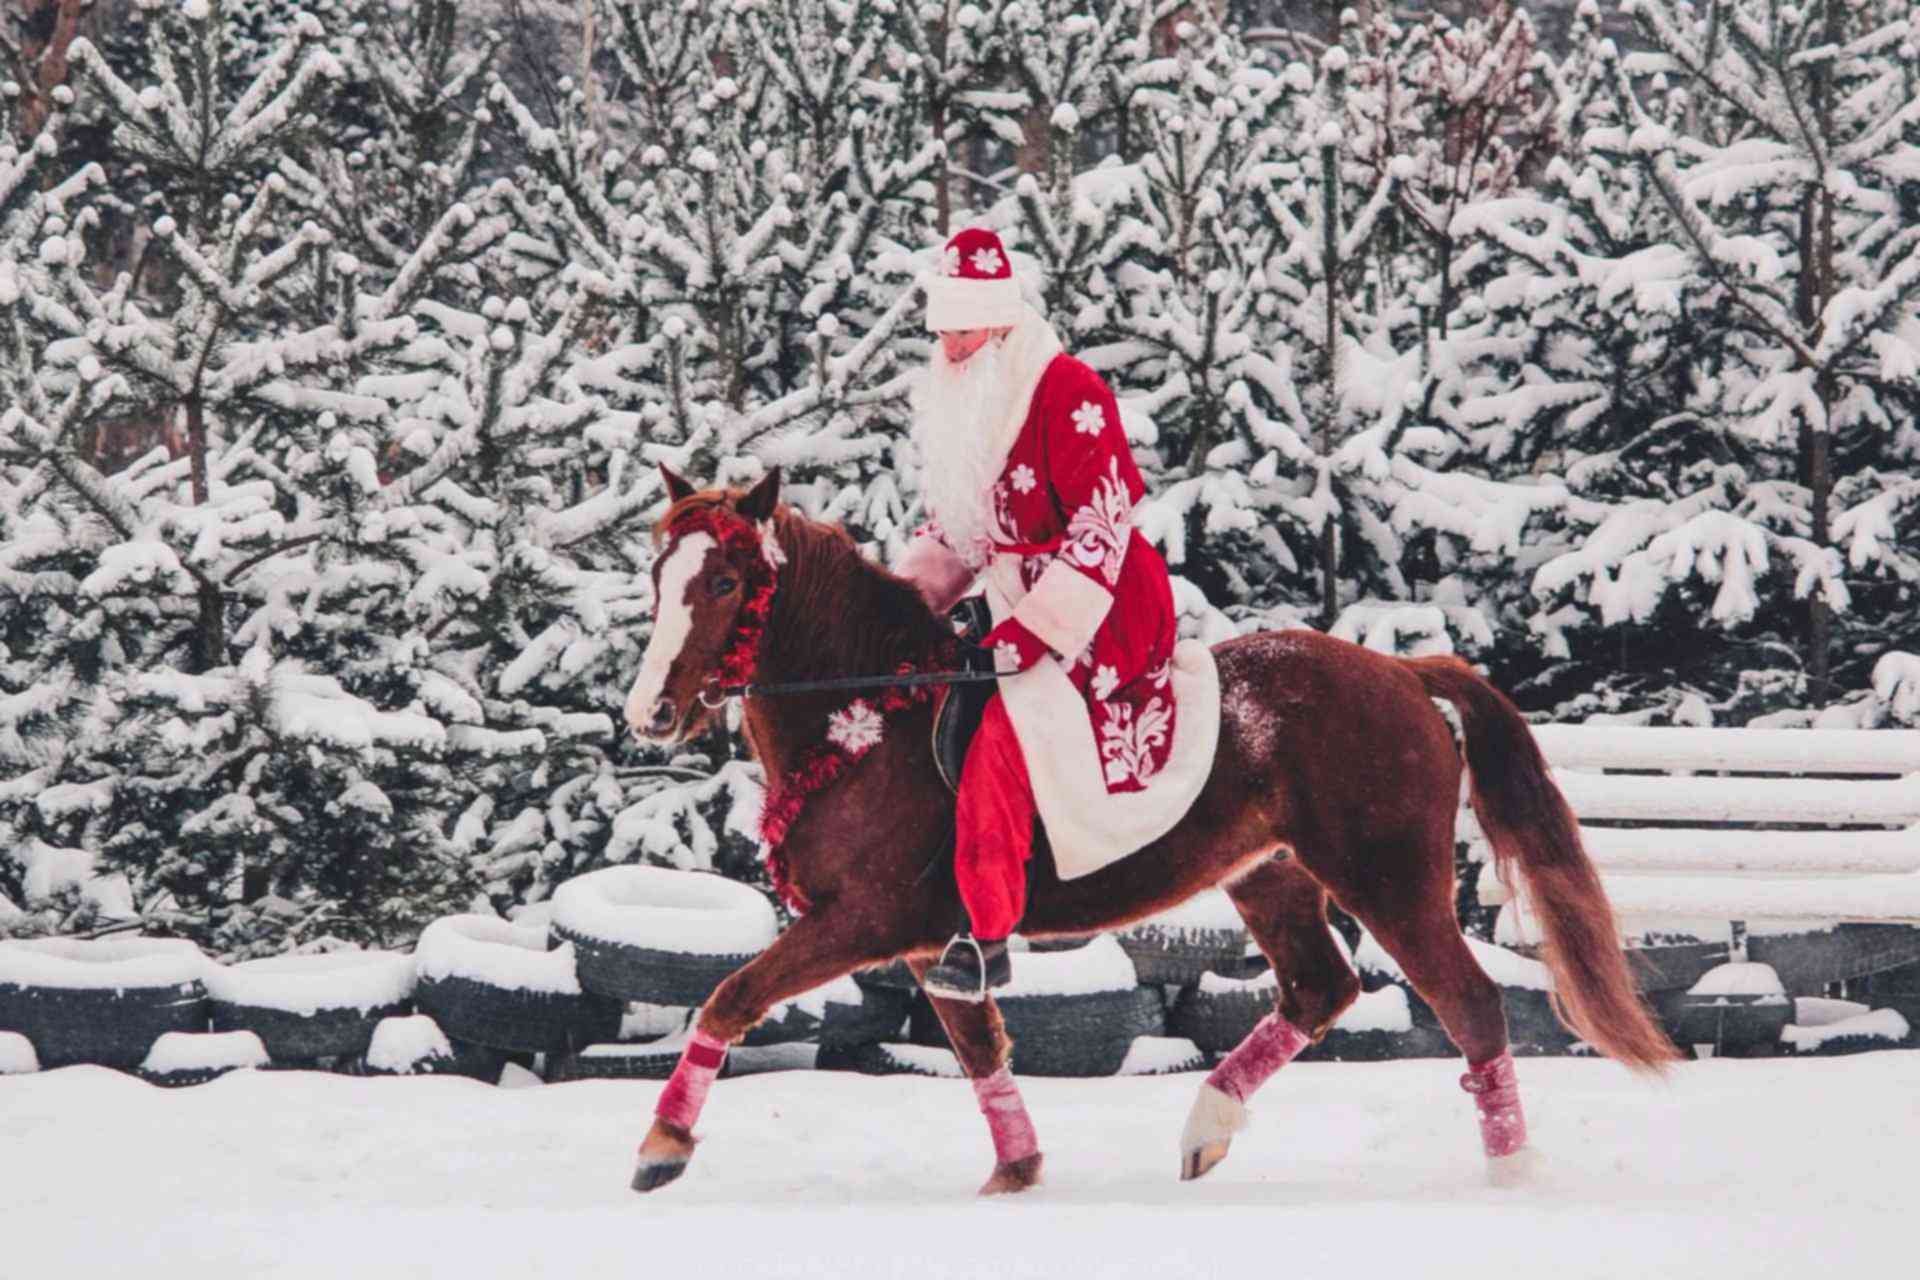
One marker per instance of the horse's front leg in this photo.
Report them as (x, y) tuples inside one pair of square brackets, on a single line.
[(979, 1039), (820, 946)]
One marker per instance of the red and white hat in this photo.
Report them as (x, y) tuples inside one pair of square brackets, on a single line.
[(974, 287)]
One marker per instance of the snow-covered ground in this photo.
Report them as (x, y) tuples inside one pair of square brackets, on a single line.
[(1767, 1168)]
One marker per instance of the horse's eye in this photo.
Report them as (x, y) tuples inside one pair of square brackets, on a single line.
[(723, 586)]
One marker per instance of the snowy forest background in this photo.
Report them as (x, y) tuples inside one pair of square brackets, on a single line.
[(338, 342)]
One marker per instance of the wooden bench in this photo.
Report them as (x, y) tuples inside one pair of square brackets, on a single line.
[(1799, 848)]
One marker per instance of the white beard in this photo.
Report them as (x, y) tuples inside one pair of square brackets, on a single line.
[(965, 421)]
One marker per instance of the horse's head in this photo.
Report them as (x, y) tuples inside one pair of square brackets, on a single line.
[(712, 588)]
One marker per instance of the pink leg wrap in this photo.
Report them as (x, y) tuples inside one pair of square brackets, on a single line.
[(686, 1090), (1496, 1091), (1000, 1103), (1271, 1045)]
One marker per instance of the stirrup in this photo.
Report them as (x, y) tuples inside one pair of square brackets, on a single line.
[(966, 978)]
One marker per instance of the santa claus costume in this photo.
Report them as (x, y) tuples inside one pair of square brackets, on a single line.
[(1103, 726)]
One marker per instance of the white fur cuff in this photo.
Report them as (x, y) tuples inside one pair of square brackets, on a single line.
[(1065, 609)]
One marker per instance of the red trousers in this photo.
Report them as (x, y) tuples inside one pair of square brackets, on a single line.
[(994, 827)]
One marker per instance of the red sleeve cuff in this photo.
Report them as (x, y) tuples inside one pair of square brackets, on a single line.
[(1014, 647)]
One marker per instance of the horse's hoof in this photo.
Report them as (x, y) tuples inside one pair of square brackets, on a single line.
[(651, 1175), (1013, 1175), (1515, 1170), (1198, 1163), (663, 1156)]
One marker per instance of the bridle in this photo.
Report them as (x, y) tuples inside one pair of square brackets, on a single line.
[(741, 657)]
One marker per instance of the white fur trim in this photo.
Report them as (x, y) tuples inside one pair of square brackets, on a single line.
[(1064, 608), (957, 303), (1215, 1117), (1088, 828)]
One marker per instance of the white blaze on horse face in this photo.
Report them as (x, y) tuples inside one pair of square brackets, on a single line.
[(672, 621)]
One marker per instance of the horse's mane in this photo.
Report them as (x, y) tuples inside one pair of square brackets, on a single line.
[(836, 612)]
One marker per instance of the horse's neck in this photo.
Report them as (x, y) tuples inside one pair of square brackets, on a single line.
[(833, 615)]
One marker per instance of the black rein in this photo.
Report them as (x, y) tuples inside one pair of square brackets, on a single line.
[(791, 687)]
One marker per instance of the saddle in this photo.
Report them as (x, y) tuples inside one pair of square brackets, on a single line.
[(962, 705)]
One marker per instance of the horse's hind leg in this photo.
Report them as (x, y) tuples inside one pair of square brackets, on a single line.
[(1418, 928), (979, 1039), (1286, 911)]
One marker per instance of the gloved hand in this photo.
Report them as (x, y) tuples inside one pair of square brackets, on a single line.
[(1013, 646)]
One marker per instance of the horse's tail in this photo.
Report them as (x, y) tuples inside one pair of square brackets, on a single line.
[(1529, 824)]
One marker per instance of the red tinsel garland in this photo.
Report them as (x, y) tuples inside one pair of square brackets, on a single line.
[(820, 765), (731, 532), (817, 769)]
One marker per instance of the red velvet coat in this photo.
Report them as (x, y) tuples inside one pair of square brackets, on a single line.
[(1083, 583)]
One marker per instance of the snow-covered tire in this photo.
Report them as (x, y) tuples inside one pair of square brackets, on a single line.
[(409, 1045), (181, 1058), (654, 1061), (880, 1015), (1162, 1056), (1532, 1026), (494, 983), (311, 1007), (1201, 935), (893, 976), (17, 1057), (1070, 1013), (892, 1060), (1081, 1035), (103, 1002), (1218, 1014), (658, 935)]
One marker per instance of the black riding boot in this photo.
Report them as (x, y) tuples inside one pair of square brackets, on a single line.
[(968, 969)]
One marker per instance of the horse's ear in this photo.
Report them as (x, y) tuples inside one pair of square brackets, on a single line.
[(758, 504), (677, 487)]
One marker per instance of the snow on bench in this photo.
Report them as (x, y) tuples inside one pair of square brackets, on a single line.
[(1849, 851)]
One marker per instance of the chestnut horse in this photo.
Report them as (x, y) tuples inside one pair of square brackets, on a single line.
[(1336, 778)]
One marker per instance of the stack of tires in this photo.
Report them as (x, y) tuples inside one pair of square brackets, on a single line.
[(605, 983), (159, 1008)]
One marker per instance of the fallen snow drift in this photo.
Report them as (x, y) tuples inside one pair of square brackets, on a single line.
[(1794, 1167)]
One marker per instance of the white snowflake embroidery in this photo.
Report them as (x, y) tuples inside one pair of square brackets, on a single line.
[(987, 262), (1006, 656), (1127, 744), (1098, 533), (770, 549), (1105, 681), (950, 263), (1088, 419), (856, 730), (1161, 674), (1023, 479)]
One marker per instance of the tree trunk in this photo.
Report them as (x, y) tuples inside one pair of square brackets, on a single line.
[(937, 121), (213, 629), (1330, 372), (48, 29)]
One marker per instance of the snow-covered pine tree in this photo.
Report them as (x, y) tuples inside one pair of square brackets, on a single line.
[(250, 798), (1279, 357), (948, 66), (411, 147), (1741, 342)]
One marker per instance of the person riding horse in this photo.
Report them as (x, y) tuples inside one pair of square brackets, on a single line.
[(1029, 484)]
